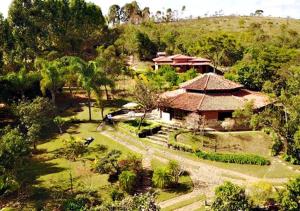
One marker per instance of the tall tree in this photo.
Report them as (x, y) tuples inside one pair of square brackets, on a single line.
[(91, 78), (146, 96), (114, 14), (51, 72)]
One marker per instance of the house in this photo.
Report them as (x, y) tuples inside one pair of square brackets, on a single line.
[(183, 63), (209, 95)]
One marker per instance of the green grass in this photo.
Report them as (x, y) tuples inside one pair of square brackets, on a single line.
[(251, 142), (277, 170), (49, 172), (184, 203)]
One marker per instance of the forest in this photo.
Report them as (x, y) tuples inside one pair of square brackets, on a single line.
[(52, 47)]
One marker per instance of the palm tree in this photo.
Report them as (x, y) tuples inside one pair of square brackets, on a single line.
[(91, 77), (51, 72), (161, 177)]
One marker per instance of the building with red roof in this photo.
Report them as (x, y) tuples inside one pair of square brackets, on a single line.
[(183, 63), (212, 96)]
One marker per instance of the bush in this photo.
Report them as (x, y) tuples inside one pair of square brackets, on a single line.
[(131, 163), (127, 181), (147, 128), (177, 145), (8, 185), (233, 158), (230, 197), (116, 195), (74, 148), (108, 164), (180, 146), (161, 177)]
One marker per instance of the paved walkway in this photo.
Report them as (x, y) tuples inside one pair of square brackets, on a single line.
[(204, 176)]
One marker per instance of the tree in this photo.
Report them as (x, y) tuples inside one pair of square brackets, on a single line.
[(161, 177), (127, 180), (59, 121), (146, 48), (196, 122), (13, 148), (243, 115), (114, 14), (288, 198), (91, 78), (146, 14), (74, 148), (112, 64), (221, 49), (230, 197), (145, 96), (35, 117), (51, 72), (259, 12), (144, 201), (22, 81), (261, 193), (109, 163), (175, 170)]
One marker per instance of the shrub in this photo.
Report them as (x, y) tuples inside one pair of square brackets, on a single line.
[(131, 163), (147, 128), (161, 177), (108, 164), (127, 180), (180, 146), (233, 158), (230, 197), (73, 148), (175, 170), (8, 185), (116, 195)]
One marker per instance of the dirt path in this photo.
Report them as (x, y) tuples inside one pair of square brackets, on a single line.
[(204, 176)]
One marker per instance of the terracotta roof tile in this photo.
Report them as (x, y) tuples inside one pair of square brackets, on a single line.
[(211, 81)]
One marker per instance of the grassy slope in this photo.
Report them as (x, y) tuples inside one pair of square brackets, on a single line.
[(253, 142), (52, 172)]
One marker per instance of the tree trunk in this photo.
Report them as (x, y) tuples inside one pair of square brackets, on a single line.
[(70, 90), (53, 97), (89, 105), (142, 119), (102, 112), (106, 92)]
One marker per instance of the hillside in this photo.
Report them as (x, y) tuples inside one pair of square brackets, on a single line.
[(190, 36)]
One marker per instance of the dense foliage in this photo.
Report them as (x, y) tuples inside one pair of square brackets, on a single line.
[(233, 158), (230, 197)]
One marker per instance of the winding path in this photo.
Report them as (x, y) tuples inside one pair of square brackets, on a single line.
[(205, 177)]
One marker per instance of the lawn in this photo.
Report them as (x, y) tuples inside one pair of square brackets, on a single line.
[(185, 203), (275, 170), (252, 142), (51, 173), (185, 184)]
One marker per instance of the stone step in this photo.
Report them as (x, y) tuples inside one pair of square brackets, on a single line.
[(160, 135), (158, 139), (157, 142)]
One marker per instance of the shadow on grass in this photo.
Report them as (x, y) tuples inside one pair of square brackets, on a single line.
[(35, 168)]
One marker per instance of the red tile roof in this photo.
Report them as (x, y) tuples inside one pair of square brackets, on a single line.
[(216, 102), (224, 100), (211, 81), (189, 60)]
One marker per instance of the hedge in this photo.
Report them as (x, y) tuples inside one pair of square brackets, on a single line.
[(144, 131), (180, 146), (233, 158)]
